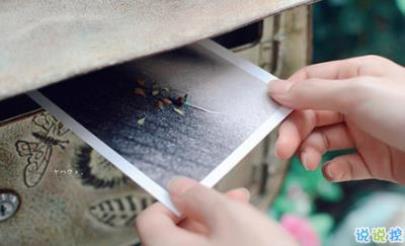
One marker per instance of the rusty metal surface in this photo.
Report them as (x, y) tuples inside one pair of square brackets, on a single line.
[(75, 197), (67, 193), (46, 41), (56, 190)]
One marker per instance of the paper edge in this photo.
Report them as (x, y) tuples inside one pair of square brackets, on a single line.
[(107, 152), (140, 177), (260, 133)]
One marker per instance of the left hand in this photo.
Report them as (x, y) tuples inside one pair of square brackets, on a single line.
[(211, 219)]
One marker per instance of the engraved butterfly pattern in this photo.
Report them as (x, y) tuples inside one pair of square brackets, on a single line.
[(48, 133)]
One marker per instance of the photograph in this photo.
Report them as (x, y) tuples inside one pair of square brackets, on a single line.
[(195, 111), (226, 122)]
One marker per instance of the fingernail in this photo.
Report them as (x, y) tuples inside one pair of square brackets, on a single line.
[(305, 160), (178, 185), (246, 192), (279, 87), (327, 172)]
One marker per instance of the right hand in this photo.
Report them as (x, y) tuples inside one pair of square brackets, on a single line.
[(355, 103)]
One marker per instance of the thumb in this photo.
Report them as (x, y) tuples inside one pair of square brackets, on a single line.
[(195, 201), (321, 94)]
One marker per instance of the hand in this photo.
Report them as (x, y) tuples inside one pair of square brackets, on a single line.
[(356, 103), (210, 219)]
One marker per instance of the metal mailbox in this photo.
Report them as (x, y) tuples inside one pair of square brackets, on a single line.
[(55, 189)]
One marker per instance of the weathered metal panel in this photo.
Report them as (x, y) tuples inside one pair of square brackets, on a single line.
[(43, 42), (69, 195)]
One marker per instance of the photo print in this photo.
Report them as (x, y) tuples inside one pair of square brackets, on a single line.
[(195, 111)]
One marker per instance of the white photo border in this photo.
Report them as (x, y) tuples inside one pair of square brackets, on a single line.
[(141, 178), (260, 133)]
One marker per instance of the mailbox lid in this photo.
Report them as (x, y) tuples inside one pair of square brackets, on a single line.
[(43, 42)]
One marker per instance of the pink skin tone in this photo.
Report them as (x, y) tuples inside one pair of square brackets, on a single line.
[(355, 103), (211, 218)]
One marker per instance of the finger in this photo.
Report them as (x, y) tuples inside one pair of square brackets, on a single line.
[(239, 195), (197, 202), (343, 69), (346, 168), (334, 95), (158, 218), (194, 226), (321, 140), (298, 126)]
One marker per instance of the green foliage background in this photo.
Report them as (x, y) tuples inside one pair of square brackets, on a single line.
[(342, 29), (347, 28)]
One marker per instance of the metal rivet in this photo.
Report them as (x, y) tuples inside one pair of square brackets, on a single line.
[(9, 204)]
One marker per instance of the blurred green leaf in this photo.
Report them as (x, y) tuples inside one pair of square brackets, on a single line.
[(347, 28), (401, 6)]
